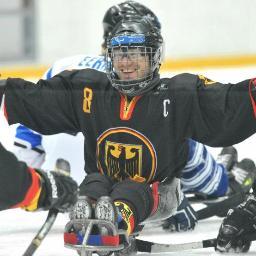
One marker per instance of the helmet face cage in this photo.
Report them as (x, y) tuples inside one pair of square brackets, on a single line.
[(131, 68)]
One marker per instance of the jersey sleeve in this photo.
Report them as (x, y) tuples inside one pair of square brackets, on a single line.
[(19, 185), (223, 114), (46, 107)]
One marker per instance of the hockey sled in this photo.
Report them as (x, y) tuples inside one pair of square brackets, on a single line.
[(108, 240)]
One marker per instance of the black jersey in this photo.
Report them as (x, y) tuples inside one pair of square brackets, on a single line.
[(18, 183), (142, 137)]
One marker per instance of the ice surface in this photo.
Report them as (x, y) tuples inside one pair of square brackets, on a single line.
[(17, 229)]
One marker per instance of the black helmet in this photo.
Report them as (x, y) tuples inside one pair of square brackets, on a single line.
[(126, 9), (134, 53)]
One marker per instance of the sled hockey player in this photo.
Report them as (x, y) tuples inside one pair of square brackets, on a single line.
[(136, 127), (33, 189), (201, 174)]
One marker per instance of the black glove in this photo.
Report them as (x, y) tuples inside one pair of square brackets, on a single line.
[(184, 219), (58, 191), (238, 223), (2, 88)]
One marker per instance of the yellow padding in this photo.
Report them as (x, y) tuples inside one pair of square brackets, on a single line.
[(22, 71), (209, 62)]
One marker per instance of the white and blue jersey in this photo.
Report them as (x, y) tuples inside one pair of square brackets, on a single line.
[(76, 62), (201, 173)]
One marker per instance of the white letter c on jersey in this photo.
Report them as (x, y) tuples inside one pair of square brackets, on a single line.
[(165, 102)]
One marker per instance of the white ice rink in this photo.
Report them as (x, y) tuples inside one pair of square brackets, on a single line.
[(17, 228)]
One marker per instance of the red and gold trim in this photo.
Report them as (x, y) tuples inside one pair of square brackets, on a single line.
[(30, 202), (127, 106), (252, 85)]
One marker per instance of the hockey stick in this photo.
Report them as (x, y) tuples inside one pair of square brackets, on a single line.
[(44, 230), (151, 247), (221, 208), (61, 166)]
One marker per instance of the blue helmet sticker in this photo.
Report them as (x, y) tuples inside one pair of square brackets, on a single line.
[(127, 40)]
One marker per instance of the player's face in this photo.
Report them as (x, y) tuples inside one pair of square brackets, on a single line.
[(130, 63)]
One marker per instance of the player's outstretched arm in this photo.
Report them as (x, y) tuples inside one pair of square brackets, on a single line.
[(45, 107), (21, 186)]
